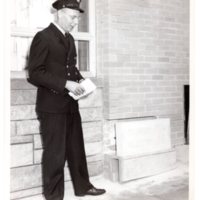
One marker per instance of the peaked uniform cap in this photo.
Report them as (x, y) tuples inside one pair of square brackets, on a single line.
[(73, 4)]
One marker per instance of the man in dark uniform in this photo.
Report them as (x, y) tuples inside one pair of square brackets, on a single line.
[(52, 68)]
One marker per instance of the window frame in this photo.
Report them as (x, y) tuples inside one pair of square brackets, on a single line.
[(89, 37)]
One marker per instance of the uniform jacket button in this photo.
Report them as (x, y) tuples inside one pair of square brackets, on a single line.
[(68, 74), (53, 91)]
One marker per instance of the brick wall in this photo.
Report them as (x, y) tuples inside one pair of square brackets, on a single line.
[(143, 56), (26, 148)]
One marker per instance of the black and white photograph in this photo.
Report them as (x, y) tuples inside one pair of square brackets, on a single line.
[(98, 100)]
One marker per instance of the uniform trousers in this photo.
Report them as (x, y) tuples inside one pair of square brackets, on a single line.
[(62, 139)]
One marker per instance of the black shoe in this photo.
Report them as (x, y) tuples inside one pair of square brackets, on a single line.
[(93, 191)]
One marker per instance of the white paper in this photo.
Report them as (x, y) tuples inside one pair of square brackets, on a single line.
[(89, 87)]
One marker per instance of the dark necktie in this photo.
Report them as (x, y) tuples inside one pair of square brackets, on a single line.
[(67, 39)]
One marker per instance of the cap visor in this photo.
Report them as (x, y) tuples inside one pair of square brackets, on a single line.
[(81, 10)]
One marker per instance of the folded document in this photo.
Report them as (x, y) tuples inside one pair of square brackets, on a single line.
[(89, 87)]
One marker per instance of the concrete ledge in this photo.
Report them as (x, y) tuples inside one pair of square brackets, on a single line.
[(128, 168)]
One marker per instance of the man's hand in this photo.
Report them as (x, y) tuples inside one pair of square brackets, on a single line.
[(74, 87)]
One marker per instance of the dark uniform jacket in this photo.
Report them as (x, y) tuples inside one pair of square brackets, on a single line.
[(52, 61)]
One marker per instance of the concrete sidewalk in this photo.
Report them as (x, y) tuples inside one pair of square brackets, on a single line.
[(172, 185)]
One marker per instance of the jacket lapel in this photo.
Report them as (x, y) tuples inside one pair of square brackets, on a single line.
[(60, 37), (68, 43)]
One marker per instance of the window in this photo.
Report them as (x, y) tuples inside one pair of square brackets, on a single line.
[(30, 16)]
